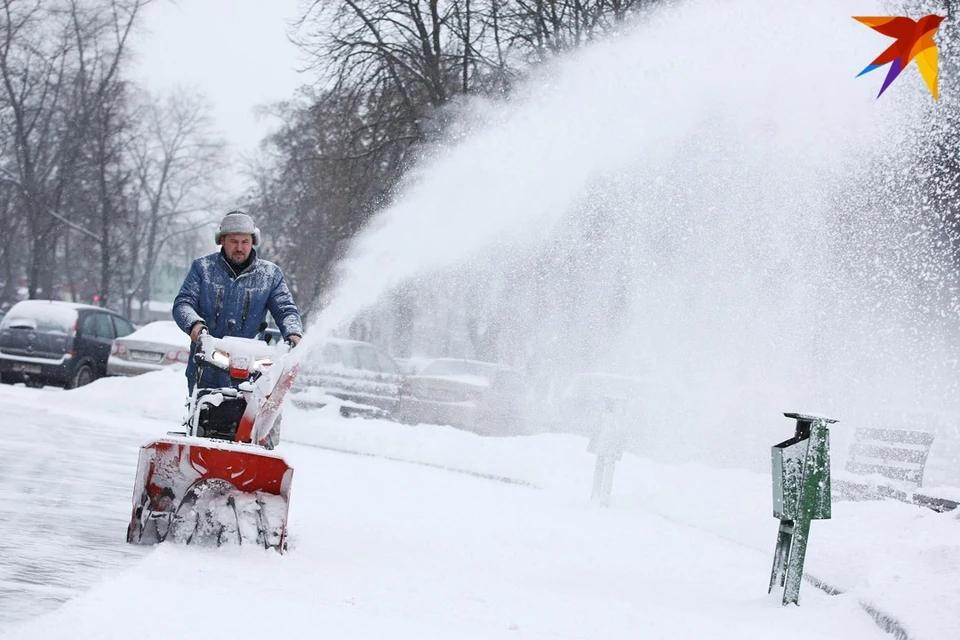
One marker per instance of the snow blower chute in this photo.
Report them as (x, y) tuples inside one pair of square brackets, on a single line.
[(219, 482)]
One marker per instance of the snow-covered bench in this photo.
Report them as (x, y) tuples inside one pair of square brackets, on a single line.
[(884, 463)]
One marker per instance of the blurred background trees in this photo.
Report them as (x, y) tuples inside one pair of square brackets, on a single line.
[(104, 188), (96, 176)]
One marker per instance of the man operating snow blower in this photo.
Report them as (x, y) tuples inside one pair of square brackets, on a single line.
[(229, 292), (217, 482)]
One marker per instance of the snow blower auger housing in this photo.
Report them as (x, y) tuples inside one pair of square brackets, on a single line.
[(219, 481)]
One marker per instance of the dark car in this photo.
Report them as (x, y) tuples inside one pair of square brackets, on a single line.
[(358, 373), (61, 343)]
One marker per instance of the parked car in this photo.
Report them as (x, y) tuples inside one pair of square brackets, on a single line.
[(54, 342), (359, 373), (413, 365), (483, 397), (154, 346)]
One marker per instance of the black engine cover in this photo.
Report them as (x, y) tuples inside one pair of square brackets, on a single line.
[(221, 421)]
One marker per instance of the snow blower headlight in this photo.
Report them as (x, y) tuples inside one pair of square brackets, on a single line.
[(221, 357)]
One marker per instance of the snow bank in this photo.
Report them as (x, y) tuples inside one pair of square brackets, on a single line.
[(159, 395), (899, 558)]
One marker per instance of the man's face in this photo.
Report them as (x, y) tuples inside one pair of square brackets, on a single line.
[(237, 247)]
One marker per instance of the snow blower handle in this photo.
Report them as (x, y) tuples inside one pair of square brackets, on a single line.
[(198, 358), (204, 348)]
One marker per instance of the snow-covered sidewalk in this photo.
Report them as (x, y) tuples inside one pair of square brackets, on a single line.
[(62, 476), (898, 558), (384, 548)]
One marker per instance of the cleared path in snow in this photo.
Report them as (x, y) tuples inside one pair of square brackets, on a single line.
[(61, 480)]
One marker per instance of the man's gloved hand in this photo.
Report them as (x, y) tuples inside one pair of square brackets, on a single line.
[(196, 329), (293, 340)]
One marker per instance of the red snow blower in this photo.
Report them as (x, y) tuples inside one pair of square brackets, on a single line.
[(219, 482)]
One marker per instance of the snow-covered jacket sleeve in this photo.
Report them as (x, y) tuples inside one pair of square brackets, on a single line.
[(187, 302), (284, 310)]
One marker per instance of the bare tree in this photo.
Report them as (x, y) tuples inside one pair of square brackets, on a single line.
[(98, 202), (393, 73), (12, 254), (177, 160), (58, 61)]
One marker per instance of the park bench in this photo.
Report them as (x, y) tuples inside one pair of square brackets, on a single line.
[(884, 463)]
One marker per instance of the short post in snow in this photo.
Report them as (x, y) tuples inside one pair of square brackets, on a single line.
[(608, 443), (801, 493)]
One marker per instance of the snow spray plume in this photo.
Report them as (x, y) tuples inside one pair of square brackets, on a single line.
[(711, 202)]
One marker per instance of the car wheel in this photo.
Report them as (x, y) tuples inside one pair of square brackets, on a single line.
[(83, 376)]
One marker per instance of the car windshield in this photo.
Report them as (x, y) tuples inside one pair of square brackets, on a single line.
[(460, 368), (41, 316)]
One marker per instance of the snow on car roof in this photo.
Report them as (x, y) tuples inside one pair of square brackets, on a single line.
[(468, 362), (55, 304), (162, 331), (466, 378), (42, 315), (459, 367)]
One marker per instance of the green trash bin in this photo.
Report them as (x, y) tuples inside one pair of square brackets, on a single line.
[(801, 493)]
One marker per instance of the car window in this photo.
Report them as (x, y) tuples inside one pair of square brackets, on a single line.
[(331, 354), (350, 358), (387, 365), (123, 327), (88, 327), (368, 359), (103, 328)]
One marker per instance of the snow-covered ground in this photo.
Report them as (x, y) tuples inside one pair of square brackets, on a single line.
[(435, 533)]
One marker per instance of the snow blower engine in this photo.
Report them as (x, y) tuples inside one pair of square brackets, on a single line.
[(219, 482)]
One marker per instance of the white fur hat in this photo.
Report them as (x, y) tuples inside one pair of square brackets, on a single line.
[(237, 222)]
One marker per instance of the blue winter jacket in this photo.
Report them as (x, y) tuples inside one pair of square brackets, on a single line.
[(213, 294)]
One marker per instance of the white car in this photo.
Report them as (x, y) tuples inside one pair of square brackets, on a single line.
[(154, 346), (487, 398), (359, 373)]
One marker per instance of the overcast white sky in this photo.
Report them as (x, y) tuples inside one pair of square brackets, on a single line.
[(234, 51)]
